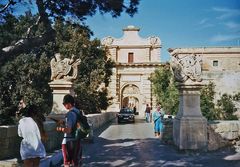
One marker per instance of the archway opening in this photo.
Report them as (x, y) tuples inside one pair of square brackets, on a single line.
[(130, 102), (130, 97)]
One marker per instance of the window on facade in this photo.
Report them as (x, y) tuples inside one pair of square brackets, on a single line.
[(215, 63), (130, 57)]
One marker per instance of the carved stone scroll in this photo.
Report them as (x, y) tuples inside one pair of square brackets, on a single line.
[(187, 68), (64, 69)]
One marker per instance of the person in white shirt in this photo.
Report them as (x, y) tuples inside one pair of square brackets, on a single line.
[(32, 148)]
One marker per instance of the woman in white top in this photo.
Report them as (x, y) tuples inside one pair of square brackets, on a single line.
[(32, 148)]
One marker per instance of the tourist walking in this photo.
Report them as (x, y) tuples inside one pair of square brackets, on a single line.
[(148, 113), (32, 148), (134, 110), (157, 118), (71, 147)]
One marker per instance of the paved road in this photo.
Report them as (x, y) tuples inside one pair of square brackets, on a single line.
[(134, 145)]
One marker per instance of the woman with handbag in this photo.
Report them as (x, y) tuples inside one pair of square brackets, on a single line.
[(157, 118)]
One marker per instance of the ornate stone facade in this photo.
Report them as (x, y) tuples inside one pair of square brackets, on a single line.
[(136, 58)]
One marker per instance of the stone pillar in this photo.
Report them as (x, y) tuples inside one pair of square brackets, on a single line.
[(60, 88), (63, 72), (189, 126)]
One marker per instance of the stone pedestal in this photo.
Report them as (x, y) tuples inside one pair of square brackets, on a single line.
[(189, 126), (60, 89)]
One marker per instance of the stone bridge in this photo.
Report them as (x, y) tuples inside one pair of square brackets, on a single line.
[(10, 141)]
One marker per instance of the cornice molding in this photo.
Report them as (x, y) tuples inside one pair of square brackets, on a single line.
[(133, 46), (140, 64), (205, 50)]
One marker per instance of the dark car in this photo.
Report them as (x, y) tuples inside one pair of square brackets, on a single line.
[(126, 115)]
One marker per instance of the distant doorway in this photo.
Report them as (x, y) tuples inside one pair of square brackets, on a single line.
[(130, 102), (130, 97)]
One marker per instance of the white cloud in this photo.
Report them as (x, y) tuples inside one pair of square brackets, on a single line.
[(205, 26), (226, 12), (222, 38), (203, 21), (232, 25)]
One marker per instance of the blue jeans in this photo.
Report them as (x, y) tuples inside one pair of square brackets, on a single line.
[(147, 117)]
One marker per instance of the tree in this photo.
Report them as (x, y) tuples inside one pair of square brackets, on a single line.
[(223, 109), (48, 11), (165, 89), (25, 75), (28, 74), (207, 102), (95, 69), (226, 105), (29, 41)]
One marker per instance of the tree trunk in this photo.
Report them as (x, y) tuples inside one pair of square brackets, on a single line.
[(26, 44)]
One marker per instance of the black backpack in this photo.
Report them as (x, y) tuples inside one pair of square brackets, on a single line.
[(81, 128)]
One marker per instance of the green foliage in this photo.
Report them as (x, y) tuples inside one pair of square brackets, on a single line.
[(26, 72), (167, 95), (95, 69), (27, 75), (76, 9), (82, 8), (8, 32), (224, 108), (207, 102), (165, 89), (236, 97), (226, 105), (14, 28)]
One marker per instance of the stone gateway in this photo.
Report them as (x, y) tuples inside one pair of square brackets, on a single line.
[(136, 58)]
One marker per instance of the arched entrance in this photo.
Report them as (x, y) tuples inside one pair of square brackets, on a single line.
[(130, 101), (130, 97)]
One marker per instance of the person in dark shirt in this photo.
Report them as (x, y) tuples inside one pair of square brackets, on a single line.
[(71, 147), (148, 113)]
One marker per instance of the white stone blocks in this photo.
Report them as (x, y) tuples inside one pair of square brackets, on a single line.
[(229, 130)]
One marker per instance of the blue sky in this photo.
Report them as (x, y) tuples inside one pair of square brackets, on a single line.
[(178, 23)]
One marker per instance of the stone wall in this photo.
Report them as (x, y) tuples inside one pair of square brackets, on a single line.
[(167, 136), (225, 82), (228, 134), (220, 134), (10, 141), (97, 120)]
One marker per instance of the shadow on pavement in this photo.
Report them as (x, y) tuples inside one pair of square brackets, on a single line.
[(148, 152)]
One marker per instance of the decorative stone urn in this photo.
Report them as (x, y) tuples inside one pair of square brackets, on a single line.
[(64, 71), (189, 126)]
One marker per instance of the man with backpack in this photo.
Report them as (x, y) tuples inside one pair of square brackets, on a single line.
[(71, 146)]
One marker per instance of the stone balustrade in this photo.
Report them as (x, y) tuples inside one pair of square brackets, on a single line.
[(220, 134)]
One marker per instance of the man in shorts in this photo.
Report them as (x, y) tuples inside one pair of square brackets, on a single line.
[(71, 147)]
